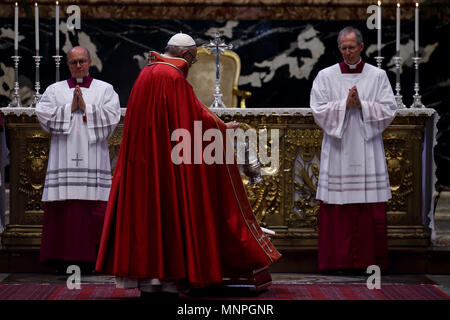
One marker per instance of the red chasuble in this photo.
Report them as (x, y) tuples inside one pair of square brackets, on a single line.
[(190, 222), (352, 236)]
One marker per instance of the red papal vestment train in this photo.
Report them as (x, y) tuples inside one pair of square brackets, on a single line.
[(189, 222)]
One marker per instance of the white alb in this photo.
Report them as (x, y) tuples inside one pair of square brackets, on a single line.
[(353, 165), (79, 163)]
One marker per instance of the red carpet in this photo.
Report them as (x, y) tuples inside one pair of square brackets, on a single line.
[(275, 292)]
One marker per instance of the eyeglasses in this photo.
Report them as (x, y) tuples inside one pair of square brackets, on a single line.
[(351, 48), (194, 59), (75, 62)]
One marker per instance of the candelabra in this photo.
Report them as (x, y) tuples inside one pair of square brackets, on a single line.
[(417, 103), (15, 100), (57, 58), (379, 60), (217, 47), (398, 96), (37, 84)]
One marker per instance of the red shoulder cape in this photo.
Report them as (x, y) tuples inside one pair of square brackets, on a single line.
[(174, 222)]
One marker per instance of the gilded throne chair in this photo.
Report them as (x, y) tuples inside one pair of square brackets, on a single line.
[(202, 77)]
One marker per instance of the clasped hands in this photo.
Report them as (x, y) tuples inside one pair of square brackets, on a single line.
[(78, 101), (353, 98), (232, 125)]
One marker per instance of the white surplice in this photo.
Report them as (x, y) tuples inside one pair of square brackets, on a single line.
[(79, 163), (353, 165)]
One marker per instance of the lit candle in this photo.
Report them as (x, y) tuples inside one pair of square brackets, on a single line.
[(16, 27), (379, 29), (57, 26), (36, 26), (416, 42), (397, 42)]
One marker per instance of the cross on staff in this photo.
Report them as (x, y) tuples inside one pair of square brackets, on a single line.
[(77, 159), (217, 47)]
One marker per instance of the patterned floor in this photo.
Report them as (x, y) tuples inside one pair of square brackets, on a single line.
[(285, 286)]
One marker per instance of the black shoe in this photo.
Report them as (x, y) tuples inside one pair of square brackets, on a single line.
[(159, 295), (59, 272), (87, 268)]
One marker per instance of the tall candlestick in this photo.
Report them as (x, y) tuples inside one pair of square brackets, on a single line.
[(416, 42), (398, 96), (36, 26), (417, 102), (37, 84), (379, 29), (57, 26), (16, 28), (397, 42)]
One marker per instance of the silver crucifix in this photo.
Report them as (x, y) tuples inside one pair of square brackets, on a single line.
[(217, 47)]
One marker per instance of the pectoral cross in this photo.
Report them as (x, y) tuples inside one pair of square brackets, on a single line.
[(217, 47), (77, 159)]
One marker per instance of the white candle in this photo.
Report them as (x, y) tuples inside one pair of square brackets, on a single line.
[(397, 42), (36, 25), (57, 25), (379, 29), (416, 42), (16, 27)]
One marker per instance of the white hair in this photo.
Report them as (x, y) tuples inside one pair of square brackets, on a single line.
[(347, 30)]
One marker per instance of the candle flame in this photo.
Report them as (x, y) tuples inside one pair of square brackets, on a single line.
[(398, 5), (379, 3), (57, 3), (417, 4), (35, 4), (16, 4)]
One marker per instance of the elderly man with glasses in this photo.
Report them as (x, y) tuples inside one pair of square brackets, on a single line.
[(352, 101), (177, 225), (80, 113)]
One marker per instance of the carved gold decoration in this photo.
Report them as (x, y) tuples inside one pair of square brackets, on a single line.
[(22, 235), (114, 146), (264, 197), (284, 201), (33, 168), (400, 171), (302, 157)]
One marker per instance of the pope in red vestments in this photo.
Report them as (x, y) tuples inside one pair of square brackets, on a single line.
[(187, 223)]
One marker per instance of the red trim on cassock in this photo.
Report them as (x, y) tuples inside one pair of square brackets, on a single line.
[(352, 236), (346, 69), (190, 222), (72, 82)]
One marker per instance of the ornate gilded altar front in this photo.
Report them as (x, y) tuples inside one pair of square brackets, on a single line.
[(284, 202)]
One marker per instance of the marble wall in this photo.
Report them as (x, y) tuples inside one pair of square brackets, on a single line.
[(232, 9), (280, 57)]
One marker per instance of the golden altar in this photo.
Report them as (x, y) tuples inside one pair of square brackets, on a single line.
[(284, 202)]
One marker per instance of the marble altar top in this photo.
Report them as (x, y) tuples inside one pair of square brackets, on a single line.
[(242, 112)]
